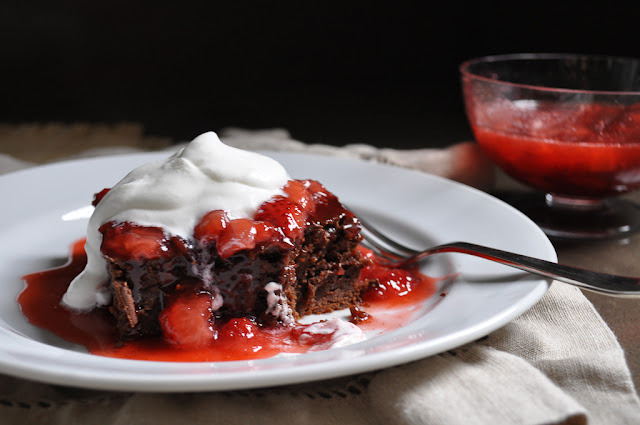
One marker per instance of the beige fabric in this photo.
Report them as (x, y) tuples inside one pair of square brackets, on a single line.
[(558, 363), (46, 142), (463, 162)]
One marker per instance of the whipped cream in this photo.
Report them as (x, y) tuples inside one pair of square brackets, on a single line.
[(342, 333), (277, 304), (175, 194)]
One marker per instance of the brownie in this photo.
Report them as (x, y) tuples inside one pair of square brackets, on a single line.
[(315, 273)]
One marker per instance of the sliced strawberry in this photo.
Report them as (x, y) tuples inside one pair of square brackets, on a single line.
[(241, 327), (297, 192), (127, 241), (98, 196), (211, 226), (327, 204), (187, 320), (316, 188), (238, 235), (266, 232), (320, 195), (284, 214)]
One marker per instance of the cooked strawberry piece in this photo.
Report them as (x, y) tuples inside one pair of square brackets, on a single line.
[(127, 241), (320, 194), (187, 320), (284, 214), (327, 204), (98, 196), (239, 234), (316, 188), (211, 226), (266, 232), (297, 192), (241, 327)]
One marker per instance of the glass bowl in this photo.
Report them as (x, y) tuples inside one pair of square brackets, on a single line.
[(566, 125)]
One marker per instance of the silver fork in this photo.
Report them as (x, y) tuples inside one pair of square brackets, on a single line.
[(395, 254)]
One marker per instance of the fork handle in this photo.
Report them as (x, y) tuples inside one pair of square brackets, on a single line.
[(604, 283)]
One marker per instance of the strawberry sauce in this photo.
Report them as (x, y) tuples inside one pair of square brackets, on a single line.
[(401, 291), (590, 150)]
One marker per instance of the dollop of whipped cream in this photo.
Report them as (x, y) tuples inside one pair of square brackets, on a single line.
[(175, 194)]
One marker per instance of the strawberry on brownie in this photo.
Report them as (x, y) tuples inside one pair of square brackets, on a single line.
[(216, 235)]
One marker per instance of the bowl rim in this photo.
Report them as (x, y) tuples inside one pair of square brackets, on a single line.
[(464, 70)]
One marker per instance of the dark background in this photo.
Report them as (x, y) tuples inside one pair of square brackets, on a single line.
[(334, 72)]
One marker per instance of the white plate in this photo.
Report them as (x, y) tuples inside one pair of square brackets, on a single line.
[(36, 232)]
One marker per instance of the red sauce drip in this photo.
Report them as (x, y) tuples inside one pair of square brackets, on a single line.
[(581, 149), (394, 287), (241, 339), (40, 303)]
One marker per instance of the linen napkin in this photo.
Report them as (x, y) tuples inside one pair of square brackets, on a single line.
[(557, 363)]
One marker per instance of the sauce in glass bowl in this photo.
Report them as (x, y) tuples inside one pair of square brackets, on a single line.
[(587, 150), (567, 126)]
